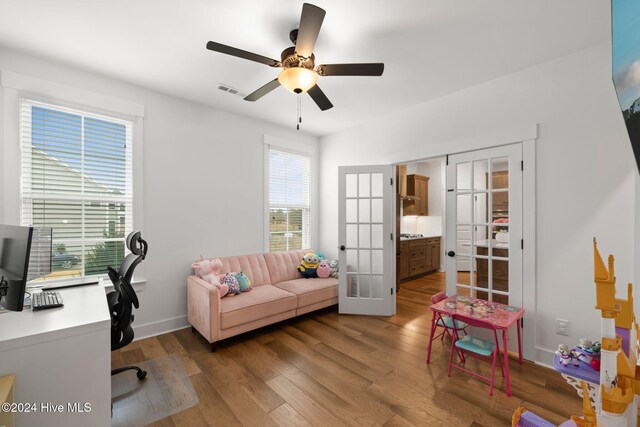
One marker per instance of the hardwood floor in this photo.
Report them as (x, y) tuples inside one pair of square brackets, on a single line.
[(327, 369)]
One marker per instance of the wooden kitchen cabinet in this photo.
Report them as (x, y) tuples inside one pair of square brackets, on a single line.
[(501, 199), (404, 260), (401, 177), (500, 274), (433, 254), (418, 257), (418, 188)]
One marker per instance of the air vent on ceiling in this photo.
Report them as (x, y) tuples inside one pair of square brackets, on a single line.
[(231, 90)]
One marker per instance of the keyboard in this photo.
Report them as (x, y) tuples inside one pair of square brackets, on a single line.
[(44, 300)]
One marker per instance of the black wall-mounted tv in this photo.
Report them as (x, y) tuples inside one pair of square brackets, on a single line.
[(625, 32)]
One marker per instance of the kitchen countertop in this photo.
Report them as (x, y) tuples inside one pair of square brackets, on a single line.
[(485, 244), (402, 239)]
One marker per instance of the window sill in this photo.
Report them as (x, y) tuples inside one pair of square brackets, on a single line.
[(138, 284)]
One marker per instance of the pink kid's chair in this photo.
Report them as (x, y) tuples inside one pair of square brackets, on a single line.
[(445, 323), (477, 348)]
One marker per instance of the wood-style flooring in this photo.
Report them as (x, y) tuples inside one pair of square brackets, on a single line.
[(326, 369)]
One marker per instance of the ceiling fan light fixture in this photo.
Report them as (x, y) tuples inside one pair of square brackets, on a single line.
[(298, 79)]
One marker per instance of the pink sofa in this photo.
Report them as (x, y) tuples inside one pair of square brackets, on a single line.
[(278, 293)]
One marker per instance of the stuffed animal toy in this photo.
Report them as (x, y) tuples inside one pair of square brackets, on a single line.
[(324, 270), (209, 271), (320, 256), (231, 281), (309, 265), (243, 282), (334, 268)]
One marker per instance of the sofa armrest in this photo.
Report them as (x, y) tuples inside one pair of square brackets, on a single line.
[(203, 308)]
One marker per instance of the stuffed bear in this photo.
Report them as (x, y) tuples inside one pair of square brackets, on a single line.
[(324, 270), (334, 268), (231, 281), (243, 281), (209, 271), (308, 265)]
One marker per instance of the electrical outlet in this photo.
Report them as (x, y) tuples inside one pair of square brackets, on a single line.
[(562, 327)]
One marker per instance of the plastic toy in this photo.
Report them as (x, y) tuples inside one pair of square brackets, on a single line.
[(617, 400), (586, 351), (566, 355)]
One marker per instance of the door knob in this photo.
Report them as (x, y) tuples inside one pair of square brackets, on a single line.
[(451, 254), (342, 247)]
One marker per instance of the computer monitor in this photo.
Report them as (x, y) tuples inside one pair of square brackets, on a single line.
[(15, 247), (40, 258)]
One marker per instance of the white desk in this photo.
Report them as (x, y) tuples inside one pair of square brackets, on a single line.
[(61, 356)]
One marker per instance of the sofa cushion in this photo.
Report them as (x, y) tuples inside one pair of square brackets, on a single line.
[(261, 301), (311, 291), (283, 266), (253, 266)]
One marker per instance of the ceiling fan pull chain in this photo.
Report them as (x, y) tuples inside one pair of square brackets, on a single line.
[(299, 112)]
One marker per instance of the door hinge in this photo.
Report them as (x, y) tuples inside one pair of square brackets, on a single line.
[(521, 165), (521, 243), (391, 236), (447, 160), (391, 291), (522, 322), (391, 181)]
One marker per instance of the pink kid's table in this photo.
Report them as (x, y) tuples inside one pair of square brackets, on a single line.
[(501, 316)]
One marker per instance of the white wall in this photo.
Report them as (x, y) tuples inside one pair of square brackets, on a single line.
[(585, 171), (202, 183)]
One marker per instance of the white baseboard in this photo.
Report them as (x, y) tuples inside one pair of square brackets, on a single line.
[(544, 357), (162, 327)]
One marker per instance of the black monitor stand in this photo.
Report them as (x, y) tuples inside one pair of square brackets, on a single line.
[(4, 288)]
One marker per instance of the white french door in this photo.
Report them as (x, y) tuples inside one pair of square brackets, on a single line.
[(484, 224), (366, 218)]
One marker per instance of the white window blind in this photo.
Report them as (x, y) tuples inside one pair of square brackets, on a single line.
[(76, 177), (289, 200)]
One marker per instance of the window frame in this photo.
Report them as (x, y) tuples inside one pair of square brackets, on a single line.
[(16, 86), (30, 197), (300, 149)]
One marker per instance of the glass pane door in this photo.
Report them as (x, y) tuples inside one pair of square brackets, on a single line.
[(484, 225), (367, 256)]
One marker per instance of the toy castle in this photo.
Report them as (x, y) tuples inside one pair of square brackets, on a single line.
[(618, 397), (617, 405)]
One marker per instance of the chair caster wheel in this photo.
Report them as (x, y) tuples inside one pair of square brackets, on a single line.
[(141, 375)]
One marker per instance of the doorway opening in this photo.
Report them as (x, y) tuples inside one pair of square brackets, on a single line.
[(420, 221), (469, 232)]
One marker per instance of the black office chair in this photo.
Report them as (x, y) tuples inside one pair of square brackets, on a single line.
[(124, 297)]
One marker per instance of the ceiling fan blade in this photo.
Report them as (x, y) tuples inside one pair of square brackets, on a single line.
[(310, 23), (373, 69), (222, 48), (257, 94), (320, 98)]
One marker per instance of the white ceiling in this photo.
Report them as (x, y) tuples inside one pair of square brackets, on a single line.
[(430, 47)]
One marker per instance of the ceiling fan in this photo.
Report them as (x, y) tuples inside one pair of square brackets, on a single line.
[(298, 61)]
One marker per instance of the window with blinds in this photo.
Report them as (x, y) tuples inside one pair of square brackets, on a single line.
[(289, 200), (76, 177)]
